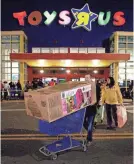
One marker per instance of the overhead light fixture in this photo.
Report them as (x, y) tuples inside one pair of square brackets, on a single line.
[(41, 71), (68, 62), (95, 71), (68, 71), (95, 62), (41, 62)]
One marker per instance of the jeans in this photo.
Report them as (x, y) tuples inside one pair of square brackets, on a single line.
[(111, 110), (5, 94), (88, 124)]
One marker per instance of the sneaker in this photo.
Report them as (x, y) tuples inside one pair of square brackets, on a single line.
[(87, 143)]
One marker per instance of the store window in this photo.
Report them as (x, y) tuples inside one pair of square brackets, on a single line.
[(122, 45), (121, 70), (15, 47), (121, 51), (6, 64), (130, 71), (130, 39), (7, 52), (130, 45), (131, 58), (121, 76), (5, 46), (130, 76), (130, 51), (5, 38), (7, 77), (15, 38), (15, 77), (15, 70), (6, 70), (6, 58), (122, 64), (130, 64), (122, 38), (25, 45), (15, 64)]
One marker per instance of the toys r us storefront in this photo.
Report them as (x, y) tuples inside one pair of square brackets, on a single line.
[(66, 64)]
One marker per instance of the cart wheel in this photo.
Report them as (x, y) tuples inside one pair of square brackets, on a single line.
[(84, 148), (54, 156)]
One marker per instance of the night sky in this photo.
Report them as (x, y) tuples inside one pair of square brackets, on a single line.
[(45, 36)]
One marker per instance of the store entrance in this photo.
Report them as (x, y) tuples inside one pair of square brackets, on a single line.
[(66, 74)]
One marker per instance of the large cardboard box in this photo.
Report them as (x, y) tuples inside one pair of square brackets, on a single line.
[(52, 103)]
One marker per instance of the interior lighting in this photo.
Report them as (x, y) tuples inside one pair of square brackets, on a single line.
[(41, 71), (68, 71), (95, 71), (95, 62), (41, 63)]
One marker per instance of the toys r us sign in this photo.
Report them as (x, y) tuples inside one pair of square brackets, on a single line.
[(83, 18)]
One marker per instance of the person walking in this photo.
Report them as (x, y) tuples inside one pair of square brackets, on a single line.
[(91, 109), (6, 90), (111, 97), (40, 83), (1, 88), (52, 83), (19, 89)]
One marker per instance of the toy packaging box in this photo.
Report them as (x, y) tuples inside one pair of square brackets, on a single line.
[(52, 103)]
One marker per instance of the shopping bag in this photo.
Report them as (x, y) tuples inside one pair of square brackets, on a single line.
[(99, 114), (121, 115)]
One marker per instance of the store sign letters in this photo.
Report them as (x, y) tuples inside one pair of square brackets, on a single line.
[(83, 18)]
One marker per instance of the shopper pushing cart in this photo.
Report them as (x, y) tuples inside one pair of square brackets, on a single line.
[(61, 110), (91, 109)]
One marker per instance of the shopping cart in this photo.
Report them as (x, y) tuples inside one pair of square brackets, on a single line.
[(67, 125)]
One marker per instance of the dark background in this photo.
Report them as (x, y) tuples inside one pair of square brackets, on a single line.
[(45, 36)]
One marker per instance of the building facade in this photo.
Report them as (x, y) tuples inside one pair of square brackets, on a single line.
[(13, 42), (68, 63), (122, 43), (68, 70)]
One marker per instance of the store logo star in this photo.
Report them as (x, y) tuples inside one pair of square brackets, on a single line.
[(83, 17)]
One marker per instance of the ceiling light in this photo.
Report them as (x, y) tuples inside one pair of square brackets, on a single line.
[(68, 71), (41, 71), (68, 62), (95, 62), (95, 71), (41, 62)]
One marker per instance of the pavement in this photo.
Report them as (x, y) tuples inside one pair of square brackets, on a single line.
[(21, 140)]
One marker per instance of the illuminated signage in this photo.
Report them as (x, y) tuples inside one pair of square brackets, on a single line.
[(83, 18)]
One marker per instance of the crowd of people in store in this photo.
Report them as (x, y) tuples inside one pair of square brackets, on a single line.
[(14, 90), (10, 90), (37, 84)]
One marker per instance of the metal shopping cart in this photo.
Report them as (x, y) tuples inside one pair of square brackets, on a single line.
[(69, 124)]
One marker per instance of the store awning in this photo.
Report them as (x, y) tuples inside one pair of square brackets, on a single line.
[(68, 60)]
